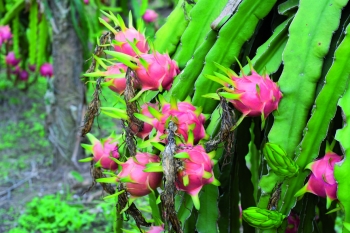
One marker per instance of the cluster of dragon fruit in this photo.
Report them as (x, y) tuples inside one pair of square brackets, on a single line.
[(133, 58), (14, 63)]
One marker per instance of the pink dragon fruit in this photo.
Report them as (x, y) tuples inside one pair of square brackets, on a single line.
[(5, 33), (103, 150), (128, 39), (118, 85), (186, 116), (293, 223), (253, 95), (157, 71), (154, 71), (23, 75), (137, 182), (11, 59), (147, 128), (32, 67), (197, 171), (156, 229), (46, 70), (150, 16), (321, 181)]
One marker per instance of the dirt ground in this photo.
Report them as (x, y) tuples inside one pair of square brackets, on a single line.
[(26, 165)]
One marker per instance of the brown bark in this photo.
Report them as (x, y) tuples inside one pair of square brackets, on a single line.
[(65, 116)]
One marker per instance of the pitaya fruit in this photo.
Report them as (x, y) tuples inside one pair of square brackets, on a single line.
[(115, 76), (32, 68), (118, 84), (147, 128), (156, 229), (129, 40), (196, 172), (23, 75), (5, 33), (253, 95), (137, 182), (154, 71), (293, 223), (186, 116), (321, 181), (103, 150), (86, 2), (11, 59), (150, 16), (46, 70), (130, 35), (157, 71)]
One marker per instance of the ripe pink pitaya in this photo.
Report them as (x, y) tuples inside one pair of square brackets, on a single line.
[(156, 229), (147, 128), (186, 116), (128, 39), (23, 75), (196, 172), (32, 67), (11, 59), (157, 71), (253, 95), (5, 33), (103, 150), (46, 70), (118, 84), (154, 71), (293, 223), (150, 16), (137, 182), (321, 181)]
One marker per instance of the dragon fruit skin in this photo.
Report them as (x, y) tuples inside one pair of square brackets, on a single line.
[(130, 35), (253, 95), (257, 94), (321, 181), (293, 223), (147, 128), (156, 229), (198, 168), (11, 59), (150, 16), (159, 73), (186, 116), (118, 84), (23, 75), (103, 150), (137, 182), (46, 70), (5, 33)]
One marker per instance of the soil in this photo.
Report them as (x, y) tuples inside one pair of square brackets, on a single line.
[(39, 175)]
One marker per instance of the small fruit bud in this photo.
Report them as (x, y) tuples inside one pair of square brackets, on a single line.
[(150, 16), (278, 161), (263, 219)]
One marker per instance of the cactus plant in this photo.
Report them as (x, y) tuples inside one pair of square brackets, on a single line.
[(302, 51)]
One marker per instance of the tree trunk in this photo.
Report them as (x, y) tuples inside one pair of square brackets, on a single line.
[(65, 115)]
